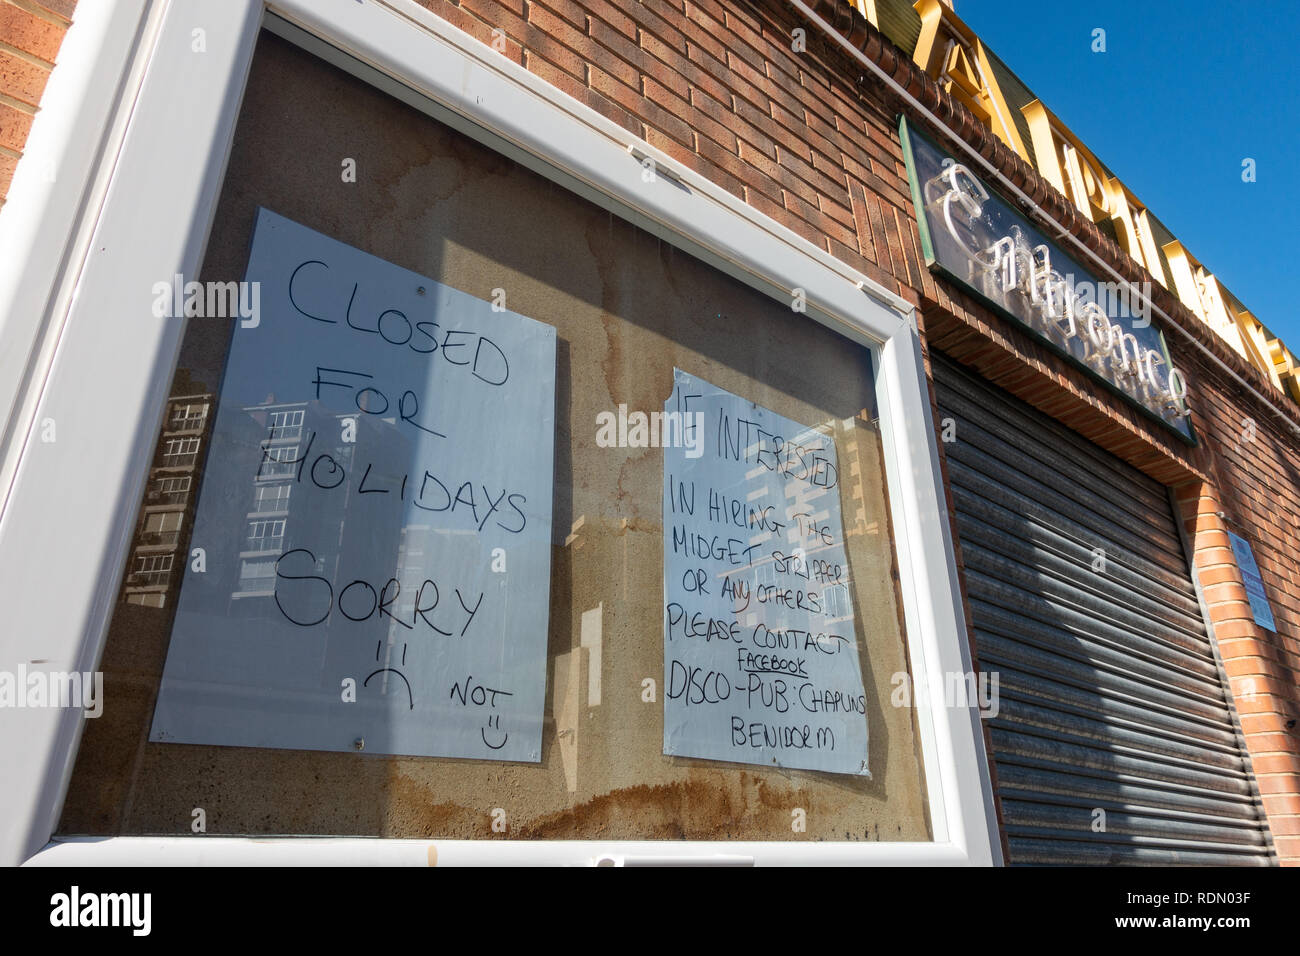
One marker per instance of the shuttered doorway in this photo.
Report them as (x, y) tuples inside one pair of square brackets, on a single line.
[(1113, 740)]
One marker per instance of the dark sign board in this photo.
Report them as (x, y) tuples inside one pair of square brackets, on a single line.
[(974, 237)]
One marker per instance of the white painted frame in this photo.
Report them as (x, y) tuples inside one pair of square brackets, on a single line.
[(162, 150)]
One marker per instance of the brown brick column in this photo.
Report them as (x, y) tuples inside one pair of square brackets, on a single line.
[(1262, 687), (31, 32)]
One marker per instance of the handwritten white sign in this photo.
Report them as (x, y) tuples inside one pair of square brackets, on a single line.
[(374, 520), (760, 659)]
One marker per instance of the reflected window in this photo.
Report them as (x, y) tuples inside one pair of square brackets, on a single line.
[(265, 535), (170, 491), (278, 461), (286, 425), (189, 416), (271, 498), (180, 452), (162, 528), (151, 570)]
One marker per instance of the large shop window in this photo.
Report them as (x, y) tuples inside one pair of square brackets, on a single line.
[(494, 515)]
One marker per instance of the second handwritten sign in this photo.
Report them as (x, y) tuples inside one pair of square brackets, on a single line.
[(760, 658)]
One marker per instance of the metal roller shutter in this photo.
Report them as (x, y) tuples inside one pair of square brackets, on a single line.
[(1111, 697)]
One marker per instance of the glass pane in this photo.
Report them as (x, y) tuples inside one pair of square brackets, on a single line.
[(745, 553)]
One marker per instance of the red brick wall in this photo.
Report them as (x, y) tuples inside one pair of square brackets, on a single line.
[(30, 34), (1254, 474), (715, 85)]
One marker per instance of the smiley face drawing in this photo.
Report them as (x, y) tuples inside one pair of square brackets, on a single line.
[(494, 722)]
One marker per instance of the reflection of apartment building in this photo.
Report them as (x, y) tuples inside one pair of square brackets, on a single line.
[(156, 561), (301, 446), (265, 522)]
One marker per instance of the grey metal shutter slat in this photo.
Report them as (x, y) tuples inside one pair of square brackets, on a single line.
[(1061, 450), (1022, 443), (1055, 598), (1088, 660), (1058, 748), (995, 480), (1111, 700), (1076, 577), (1155, 643), (1066, 725), (1125, 710), (1046, 785), (1028, 814), (1049, 434), (1151, 582), (1142, 851)]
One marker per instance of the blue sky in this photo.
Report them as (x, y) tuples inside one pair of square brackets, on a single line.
[(1184, 92)]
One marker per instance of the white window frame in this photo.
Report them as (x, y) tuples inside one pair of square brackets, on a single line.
[(187, 413), (273, 458), (159, 153), (181, 486), (163, 518), (293, 418), (157, 562), (186, 446), (274, 525), (262, 496)]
